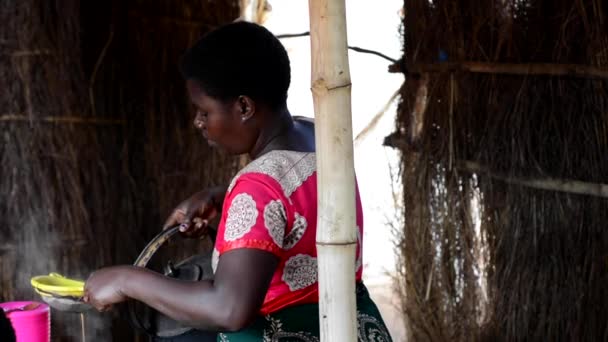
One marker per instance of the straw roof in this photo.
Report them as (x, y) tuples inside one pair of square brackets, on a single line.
[(504, 126)]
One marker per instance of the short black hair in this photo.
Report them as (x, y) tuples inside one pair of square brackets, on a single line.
[(240, 58)]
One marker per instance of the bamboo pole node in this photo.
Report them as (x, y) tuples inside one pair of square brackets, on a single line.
[(350, 243), (346, 85), (320, 86)]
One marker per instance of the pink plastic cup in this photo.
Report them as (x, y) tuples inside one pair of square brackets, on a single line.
[(30, 325)]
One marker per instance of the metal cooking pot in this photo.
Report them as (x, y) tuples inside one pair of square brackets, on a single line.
[(194, 268)]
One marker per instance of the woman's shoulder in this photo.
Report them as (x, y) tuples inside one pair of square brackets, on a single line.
[(304, 119), (288, 169), (303, 138)]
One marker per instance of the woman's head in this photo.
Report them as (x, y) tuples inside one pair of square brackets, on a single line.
[(231, 72)]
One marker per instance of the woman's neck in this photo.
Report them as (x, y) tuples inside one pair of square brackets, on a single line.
[(274, 136)]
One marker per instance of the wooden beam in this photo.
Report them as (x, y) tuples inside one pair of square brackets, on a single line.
[(399, 141), (523, 69), (27, 53), (549, 184), (60, 119), (16, 245), (190, 23)]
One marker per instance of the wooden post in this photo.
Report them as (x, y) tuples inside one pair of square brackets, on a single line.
[(336, 224)]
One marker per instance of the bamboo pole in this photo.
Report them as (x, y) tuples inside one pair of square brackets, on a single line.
[(336, 235)]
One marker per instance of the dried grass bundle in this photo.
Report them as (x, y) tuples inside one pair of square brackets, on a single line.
[(497, 244), (97, 141)]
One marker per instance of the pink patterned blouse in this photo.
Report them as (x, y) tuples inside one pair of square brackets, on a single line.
[(271, 205)]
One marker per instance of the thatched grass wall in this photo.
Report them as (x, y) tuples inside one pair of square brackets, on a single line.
[(505, 173), (97, 144)]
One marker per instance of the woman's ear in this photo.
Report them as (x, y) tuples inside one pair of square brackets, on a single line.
[(246, 107)]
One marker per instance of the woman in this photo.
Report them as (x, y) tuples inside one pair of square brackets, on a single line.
[(265, 267)]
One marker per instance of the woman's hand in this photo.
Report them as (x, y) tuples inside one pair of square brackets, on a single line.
[(104, 287), (193, 215)]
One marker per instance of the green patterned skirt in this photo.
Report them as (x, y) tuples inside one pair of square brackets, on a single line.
[(301, 324)]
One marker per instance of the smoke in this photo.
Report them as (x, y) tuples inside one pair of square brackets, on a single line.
[(89, 326), (97, 327), (40, 255), (36, 255)]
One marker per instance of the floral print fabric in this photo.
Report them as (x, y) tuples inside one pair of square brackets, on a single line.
[(271, 205)]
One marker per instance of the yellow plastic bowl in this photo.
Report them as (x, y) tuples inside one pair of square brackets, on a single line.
[(57, 285)]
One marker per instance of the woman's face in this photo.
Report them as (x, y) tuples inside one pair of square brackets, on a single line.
[(220, 122)]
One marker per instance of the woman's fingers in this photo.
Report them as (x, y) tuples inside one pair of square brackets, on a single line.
[(193, 221), (176, 217), (200, 227), (103, 288), (193, 215), (185, 226), (199, 223), (196, 228)]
